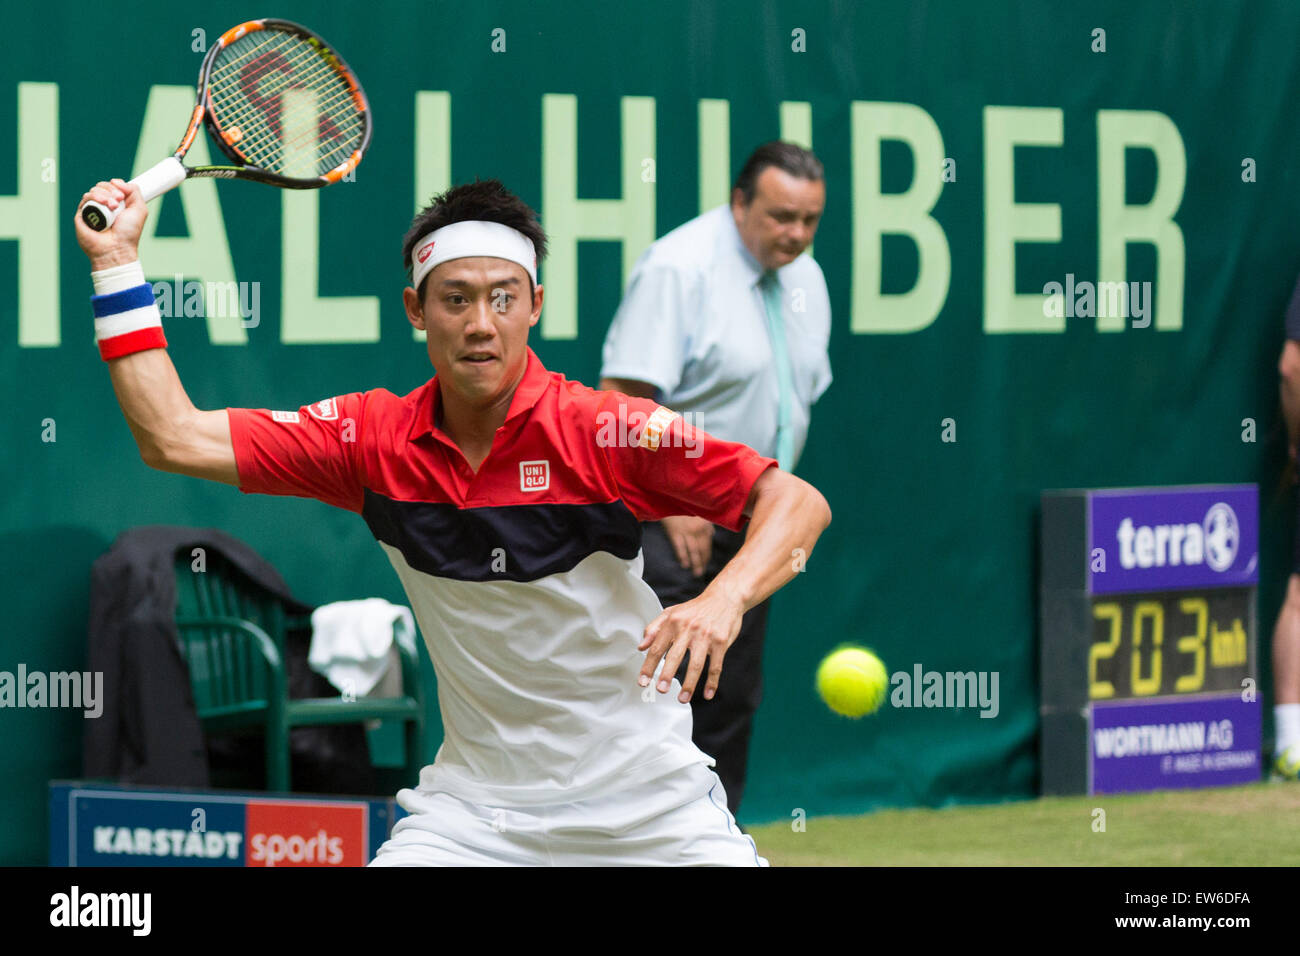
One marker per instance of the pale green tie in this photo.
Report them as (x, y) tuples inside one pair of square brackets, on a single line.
[(771, 287)]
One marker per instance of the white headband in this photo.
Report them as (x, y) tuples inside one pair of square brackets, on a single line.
[(472, 238)]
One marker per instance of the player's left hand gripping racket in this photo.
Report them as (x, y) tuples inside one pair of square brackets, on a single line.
[(279, 102)]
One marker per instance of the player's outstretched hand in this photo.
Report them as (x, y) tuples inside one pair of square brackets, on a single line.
[(706, 626), (119, 243)]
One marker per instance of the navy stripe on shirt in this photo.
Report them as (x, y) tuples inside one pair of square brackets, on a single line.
[(534, 540)]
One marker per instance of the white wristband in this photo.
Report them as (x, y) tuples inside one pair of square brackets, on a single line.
[(117, 278)]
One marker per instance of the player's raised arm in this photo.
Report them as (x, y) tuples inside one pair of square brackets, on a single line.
[(171, 433)]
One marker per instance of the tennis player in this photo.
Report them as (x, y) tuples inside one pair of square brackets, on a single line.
[(507, 499)]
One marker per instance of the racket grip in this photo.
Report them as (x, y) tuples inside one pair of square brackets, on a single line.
[(153, 182)]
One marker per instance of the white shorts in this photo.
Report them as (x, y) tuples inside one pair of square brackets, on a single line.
[(679, 820)]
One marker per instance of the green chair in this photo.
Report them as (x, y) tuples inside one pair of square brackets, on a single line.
[(233, 637)]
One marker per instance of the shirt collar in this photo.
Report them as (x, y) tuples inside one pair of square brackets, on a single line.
[(527, 392)]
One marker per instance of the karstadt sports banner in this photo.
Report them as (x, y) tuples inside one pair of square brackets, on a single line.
[(1058, 243), (101, 825)]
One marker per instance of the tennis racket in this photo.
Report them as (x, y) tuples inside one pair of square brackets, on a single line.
[(279, 102)]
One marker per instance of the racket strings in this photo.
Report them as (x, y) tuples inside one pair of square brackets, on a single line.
[(251, 44), (255, 115), (295, 50), (234, 95), (251, 112), (227, 73), (260, 136)]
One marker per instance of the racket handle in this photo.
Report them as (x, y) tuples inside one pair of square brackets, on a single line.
[(152, 182)]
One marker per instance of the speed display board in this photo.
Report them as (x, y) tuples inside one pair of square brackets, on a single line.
[(1148, 638)]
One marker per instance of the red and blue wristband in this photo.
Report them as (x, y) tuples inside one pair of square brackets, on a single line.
[(126, 316)]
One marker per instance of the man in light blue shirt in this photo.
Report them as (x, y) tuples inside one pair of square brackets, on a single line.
[(726, 320)]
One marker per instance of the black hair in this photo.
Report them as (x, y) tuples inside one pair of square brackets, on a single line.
[(787, 157), (486, 200)]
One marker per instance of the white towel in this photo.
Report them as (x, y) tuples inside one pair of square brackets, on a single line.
[(352, 643)]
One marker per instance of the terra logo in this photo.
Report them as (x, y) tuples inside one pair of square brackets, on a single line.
[(1214, 541), (1222, 535)]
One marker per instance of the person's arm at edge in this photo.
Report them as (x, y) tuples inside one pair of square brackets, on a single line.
[(171, 434), (1288, 369)]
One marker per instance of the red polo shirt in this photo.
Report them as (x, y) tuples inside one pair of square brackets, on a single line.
[(525, 577)]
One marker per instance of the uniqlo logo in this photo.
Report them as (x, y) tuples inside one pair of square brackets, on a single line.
[(305, 834), (534, 475)]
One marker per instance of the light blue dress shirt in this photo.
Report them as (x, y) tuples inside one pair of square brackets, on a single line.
[(693, 324)]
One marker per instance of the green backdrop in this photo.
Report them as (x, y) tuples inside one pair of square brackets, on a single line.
[(974, 153)]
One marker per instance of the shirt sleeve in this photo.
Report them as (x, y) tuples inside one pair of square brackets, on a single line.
[(649, 337), (310, 453), (664, 465)]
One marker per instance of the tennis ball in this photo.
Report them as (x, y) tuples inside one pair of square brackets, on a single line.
[(852, 681)]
